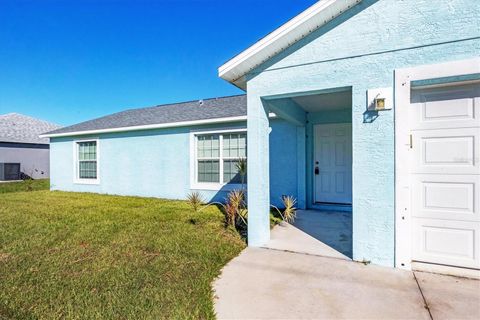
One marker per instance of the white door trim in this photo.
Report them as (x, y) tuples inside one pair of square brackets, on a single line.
[(403, 79)]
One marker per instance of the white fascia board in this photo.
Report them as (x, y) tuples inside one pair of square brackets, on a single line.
[(297, 28), (151, 126), (147, 127)]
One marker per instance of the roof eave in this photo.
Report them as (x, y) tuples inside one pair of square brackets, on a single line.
[(314, 17), (23, 142), (149, 126), (143, 127)]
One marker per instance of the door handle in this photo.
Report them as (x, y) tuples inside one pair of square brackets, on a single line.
[(317, 170)]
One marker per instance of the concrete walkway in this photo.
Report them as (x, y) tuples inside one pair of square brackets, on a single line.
[(333, 228), (286, 237), (265, 283)]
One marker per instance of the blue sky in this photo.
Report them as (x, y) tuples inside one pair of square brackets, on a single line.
[(70, 61)]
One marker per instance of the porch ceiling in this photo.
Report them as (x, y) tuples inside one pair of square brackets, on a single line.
[(294, 108), (325, 101)]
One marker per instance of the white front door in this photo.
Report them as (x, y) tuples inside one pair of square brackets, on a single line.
[(445, 175), (333, 163)]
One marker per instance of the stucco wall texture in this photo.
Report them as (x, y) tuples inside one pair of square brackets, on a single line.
[(362, 48), (156, 163)]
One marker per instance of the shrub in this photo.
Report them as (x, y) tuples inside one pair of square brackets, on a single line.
[(289, 212), (241, 167), (236, 206), (195, 200)]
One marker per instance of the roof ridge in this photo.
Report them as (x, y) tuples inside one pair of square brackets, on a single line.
[(10, 114), (183, 102), (228, 107), (21, 115), (160, 105)]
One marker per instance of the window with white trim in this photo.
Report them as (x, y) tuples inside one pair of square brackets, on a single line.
[(217, 155), (87, 168)]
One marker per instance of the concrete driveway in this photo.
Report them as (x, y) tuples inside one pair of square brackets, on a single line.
[(266, 283)]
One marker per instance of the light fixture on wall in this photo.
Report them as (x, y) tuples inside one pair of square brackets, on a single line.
[(379, 103), (380, 99)]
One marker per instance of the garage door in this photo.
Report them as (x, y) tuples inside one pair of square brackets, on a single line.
[(445, 175)]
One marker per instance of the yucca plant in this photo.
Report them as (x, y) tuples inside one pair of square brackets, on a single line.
[(230, 214), (290, 212), (236, 202), (234, 208), (241, 167), (243, 215), (235, 197), (195, 200)]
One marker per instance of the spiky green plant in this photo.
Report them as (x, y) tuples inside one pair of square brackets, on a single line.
[(234, 208), (230, 214), (243, 214), (195, 200), (290, 212), (235, 197), (236, 200), (241, 167)]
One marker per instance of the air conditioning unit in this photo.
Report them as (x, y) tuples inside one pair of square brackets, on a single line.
[(9, 171)]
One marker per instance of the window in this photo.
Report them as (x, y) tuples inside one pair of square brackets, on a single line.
[(87, 161), (234, 147), (217, 155), (208, 155)]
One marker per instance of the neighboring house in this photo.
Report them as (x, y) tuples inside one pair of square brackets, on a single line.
[(376, 109), (22, 151)]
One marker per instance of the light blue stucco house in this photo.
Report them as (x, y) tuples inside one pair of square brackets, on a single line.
[(369, 106)]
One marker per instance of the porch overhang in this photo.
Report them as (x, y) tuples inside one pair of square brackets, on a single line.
[(287, 110)]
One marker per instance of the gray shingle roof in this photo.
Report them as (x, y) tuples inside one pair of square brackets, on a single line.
[(20, 128), (169, 113)]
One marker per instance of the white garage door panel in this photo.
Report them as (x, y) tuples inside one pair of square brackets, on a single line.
[(448, 110), (445, 175), (449, 151), (447, 242), (445, 108), (454, 197)]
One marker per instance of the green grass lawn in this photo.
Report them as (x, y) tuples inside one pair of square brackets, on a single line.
[(28, 185), (87, 256)]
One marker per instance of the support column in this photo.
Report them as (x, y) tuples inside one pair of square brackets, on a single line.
[(258, 180), (301, 169)]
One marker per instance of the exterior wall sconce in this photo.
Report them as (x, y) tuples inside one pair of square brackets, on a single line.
[(380, 99), (379, 103)]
